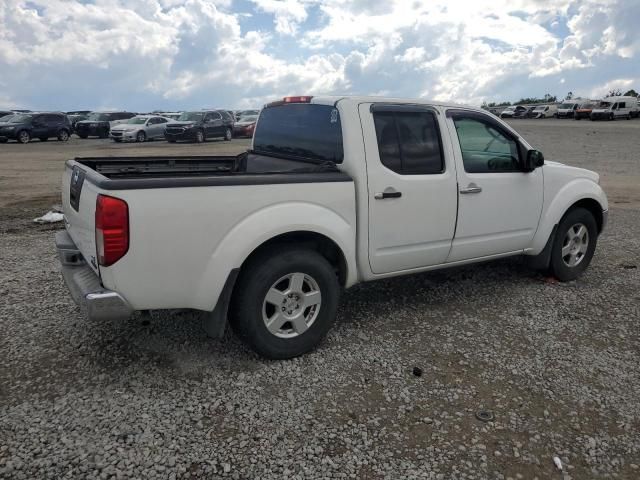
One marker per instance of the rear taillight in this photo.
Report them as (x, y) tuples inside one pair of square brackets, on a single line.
[(298, 99), (112, 229)]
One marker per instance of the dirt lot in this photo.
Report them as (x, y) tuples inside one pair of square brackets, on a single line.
[(555, 364)]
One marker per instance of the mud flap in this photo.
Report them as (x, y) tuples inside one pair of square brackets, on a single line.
[(215, 322)]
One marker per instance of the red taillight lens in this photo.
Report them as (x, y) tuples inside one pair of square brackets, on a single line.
[(299, 99), (112, 229)]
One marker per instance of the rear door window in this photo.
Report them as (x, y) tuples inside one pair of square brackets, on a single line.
[(300, 130), (409, 142)]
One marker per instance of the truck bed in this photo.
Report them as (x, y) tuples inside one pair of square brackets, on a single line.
[(120, 173)]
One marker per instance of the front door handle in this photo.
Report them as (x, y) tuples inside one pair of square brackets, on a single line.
[(388, 193), (471, 188)]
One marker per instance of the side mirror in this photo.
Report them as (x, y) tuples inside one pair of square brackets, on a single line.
[(534, 160)]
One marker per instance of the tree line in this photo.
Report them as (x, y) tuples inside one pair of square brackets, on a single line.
[(548, 98)]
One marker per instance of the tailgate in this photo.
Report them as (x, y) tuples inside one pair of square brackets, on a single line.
[(79, 205)]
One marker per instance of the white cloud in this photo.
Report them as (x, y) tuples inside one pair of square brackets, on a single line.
[(148, 53), (287, 14)]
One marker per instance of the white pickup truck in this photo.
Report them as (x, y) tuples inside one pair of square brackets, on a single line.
[(334, 191)]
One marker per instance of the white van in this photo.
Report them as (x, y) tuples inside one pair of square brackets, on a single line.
[(545, 111), (568, 108), (611, 108)]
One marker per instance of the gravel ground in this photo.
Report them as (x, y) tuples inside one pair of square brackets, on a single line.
[(394, 391)]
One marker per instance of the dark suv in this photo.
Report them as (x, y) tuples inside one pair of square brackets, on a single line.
[(98, 124), (198, 126), (25, 126)]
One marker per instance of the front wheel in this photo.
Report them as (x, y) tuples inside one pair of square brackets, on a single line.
[(199, 136), (574, 245), (63, 135), (23, 136), (141, 137), (285, 302)]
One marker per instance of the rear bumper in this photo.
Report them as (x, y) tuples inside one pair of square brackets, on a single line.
[(84, 285)]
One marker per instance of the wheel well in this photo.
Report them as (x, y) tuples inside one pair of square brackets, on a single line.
[(312, 240), (593, 206)]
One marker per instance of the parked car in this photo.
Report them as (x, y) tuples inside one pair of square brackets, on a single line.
[(140, 129), (335, 191), (509, 112), (567, 109), (246, 113), (99, 124), (171, 115), (584, 110), (611, 108), (245, 126), (544, 111), (23, 127), (198, 126)]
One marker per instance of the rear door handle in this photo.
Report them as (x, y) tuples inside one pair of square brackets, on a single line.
[(388, 193), (471, 188)]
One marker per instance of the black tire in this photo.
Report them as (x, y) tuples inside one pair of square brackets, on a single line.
[(117, 140), (141, 137), (257, 278), (63, 135), (228, 134), (559, 268), (23, 136), (200, 137), (628, 116), (43, 139), (611, 117), (104, 133)]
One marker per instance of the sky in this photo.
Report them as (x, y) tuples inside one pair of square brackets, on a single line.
[(179, 54)]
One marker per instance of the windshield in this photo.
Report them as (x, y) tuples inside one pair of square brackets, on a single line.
[(137, 120), (98, 117), (300, 130), (18, 118), (567, 105), (510, 108), (190, 116), (249, 119), (540, 108), (588, 106)]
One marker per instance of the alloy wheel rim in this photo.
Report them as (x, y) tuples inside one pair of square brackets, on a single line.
[(575, 245), (291, 305), (23, 137)]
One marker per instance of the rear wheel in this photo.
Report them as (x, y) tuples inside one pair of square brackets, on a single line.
[(228, 134), (141, 136), (63, 135), (23, 136), (285, 302), (104, 133), (199, 136), (574, 245)]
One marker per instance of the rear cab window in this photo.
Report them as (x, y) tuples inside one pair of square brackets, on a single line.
[(300, 130)]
